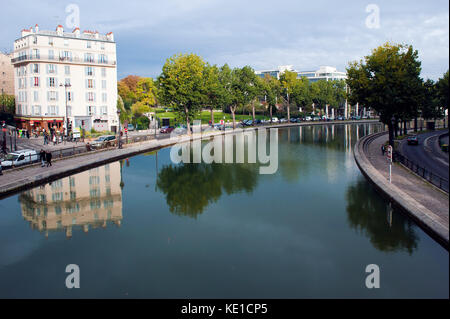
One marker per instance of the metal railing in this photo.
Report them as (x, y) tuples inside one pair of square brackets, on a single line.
[(426, 174), (28, 57)]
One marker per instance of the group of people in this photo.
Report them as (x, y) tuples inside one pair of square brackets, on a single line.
[(45, 157)]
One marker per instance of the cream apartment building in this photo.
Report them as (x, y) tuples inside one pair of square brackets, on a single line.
[(62, 75)]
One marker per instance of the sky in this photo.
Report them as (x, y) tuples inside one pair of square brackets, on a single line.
[(262, 34)]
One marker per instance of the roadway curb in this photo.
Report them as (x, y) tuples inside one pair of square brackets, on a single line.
[(425, 218)]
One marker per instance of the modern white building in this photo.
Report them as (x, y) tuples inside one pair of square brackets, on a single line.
[(327, 73), (65, 75)]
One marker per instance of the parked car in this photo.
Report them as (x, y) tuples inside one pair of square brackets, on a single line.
[(413, 140), (283, 120), (258, 121), (130, 127), (340, 118), (247, 122), (104, 141), (308, 118), (275, 119), (19, 158), (167, 129)]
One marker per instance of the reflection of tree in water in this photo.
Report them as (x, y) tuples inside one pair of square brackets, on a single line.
[(368, 214), (190, 188)]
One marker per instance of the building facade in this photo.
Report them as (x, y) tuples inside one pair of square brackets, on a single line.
[(65, 77), (6, 74), (327, 73)]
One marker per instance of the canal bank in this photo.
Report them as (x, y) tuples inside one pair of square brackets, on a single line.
[(424, 203), (26, 177)]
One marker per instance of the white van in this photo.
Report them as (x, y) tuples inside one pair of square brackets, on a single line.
[(20, 158)]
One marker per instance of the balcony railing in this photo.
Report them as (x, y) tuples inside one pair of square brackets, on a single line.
[(61, 59)]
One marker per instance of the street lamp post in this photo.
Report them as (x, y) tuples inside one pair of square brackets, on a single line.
[(119, 141), (66, 119)]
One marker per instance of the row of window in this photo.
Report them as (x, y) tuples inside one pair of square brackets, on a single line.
[(53, 96), (35, 68), (52, 82), (54, 110), (66, 43)]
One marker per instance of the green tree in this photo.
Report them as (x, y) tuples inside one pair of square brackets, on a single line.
[(271, 90), (288, 81), (242, 88), (7, 103), (301, 94), (389, 82), (212, 89), (180, 85), (146, 91), (443, 92)]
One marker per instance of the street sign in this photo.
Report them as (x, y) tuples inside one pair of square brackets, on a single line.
[(389, 158), (76, 132), (389, 153)]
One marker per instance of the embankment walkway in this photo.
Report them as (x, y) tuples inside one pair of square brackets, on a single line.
[(426, 204)]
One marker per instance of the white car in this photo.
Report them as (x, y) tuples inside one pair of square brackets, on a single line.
[(20, 158), (308, 118), (275, 119)]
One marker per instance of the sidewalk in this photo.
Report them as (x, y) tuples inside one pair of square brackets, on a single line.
[(423, 201)]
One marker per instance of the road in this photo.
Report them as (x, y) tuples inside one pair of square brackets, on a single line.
[(427, 154)]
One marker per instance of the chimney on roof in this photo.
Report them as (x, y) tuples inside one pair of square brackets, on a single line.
[(26, 32), (60, 30), (96, 34), (36, 28), (76, 31), (110, 36)]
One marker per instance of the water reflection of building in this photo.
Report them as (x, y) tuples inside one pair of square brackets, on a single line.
[(88, 199)]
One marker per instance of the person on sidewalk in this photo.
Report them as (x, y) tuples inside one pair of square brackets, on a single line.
[(48, 157), (42, 157), (383, 149)]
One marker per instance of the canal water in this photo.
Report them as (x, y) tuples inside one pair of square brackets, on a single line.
[(147, 228)]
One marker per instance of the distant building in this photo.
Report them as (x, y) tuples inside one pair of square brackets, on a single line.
[(6, 74), (327, 73), (52, 67)]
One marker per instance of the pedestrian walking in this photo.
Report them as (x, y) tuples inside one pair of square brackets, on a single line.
[(54, 138), (42, 157), (383, 149), (28, 134), (48, 157), (45, 138)]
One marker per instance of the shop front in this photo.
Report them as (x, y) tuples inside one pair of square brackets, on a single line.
[(39, 124)]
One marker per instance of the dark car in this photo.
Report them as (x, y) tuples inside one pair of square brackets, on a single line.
[(413, 140), (167, 129)]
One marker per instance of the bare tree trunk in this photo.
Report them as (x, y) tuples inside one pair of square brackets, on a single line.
[(270, 108), (212, 117), (188, 124), (288, 109), (233, 109), (415, 124), (253, 111)]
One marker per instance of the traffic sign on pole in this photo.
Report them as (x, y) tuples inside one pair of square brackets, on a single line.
[(389, 158)]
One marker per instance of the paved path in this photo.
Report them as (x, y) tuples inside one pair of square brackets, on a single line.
[(428, 205), (427, 154)]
